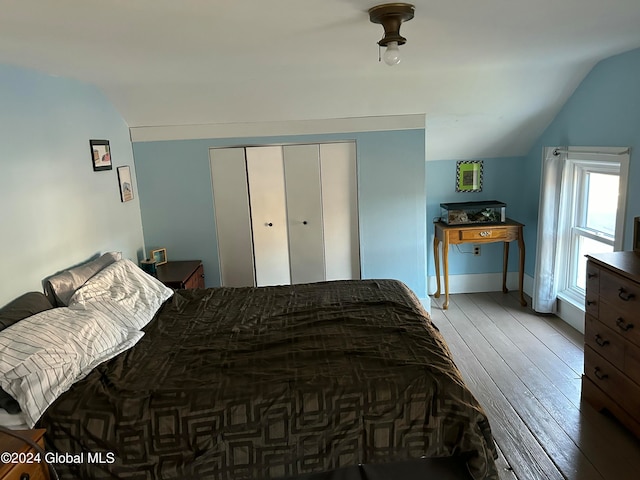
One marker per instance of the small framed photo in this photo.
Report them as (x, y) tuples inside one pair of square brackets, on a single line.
[(636, 234), (159, 255), (469, 176), (100, 155), (126, 186)]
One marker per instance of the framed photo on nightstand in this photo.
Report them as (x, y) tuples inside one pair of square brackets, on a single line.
[(159, 255)]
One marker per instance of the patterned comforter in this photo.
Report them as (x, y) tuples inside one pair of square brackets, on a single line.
[(273, 382)]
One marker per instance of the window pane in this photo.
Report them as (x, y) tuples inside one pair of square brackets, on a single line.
[(586, 246), (602, 202)]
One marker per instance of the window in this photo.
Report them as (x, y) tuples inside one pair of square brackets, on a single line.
[(592, 215)]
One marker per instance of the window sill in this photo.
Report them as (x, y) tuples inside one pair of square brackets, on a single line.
[(575, 299), (571, 309)]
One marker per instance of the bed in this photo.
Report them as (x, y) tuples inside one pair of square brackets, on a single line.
[(343, 379)]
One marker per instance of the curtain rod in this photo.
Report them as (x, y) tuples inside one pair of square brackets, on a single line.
[(558, 151)]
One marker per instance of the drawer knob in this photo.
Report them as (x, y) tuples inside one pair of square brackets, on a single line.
[(598, 373), (590, 302), (601, 341), (592, 275), (25, 476), (486, 233), (622, 325), (624, 295)]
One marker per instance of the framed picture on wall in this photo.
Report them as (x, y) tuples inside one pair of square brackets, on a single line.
[(126, 185), (469, 176), (100, 155), (636, 234)]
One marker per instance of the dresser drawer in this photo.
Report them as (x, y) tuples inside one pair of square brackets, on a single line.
[(30, 471), (604, 341), (632, 363), (22, 471), (495, 233), (620, 321), (593, 289), (612, 382), (620, 292)]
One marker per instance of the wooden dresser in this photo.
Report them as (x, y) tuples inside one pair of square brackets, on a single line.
[(182, 274), (611, 377), (29, 469)]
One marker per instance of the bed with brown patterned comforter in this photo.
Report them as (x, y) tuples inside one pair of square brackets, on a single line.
[(275, 382)]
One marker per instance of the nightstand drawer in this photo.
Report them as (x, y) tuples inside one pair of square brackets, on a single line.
[(22, 471), (497, 233), (196, 280), (182, 274)]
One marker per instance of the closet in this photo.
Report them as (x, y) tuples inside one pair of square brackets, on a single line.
[(286, 214)]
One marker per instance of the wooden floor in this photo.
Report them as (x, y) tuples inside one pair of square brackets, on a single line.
[(525, 370)]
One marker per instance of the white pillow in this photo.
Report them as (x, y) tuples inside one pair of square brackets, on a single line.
[(124, 292), (43, 355)]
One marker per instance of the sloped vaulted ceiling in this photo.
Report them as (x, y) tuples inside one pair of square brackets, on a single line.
[(488, 74)]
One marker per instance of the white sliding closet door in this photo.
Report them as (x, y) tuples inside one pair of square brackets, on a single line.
[(304, 212), (340, 210), (233, 224), (265, 171)]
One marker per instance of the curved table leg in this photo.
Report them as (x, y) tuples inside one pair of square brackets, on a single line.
[(505, 262), (445, 261), (523, 302)]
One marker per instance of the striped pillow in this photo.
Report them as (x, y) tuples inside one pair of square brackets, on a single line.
[(44, 355)]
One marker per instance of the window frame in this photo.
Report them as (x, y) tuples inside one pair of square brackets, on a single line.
[(573, 204)]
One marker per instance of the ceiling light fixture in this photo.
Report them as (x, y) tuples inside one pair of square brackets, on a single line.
[(391, 16)]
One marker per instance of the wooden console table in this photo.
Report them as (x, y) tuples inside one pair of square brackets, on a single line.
[(474, 233)]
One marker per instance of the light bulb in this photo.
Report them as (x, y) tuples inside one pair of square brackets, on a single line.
[(392, 54)]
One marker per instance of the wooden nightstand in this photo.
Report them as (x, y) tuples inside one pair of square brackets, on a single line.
[(182, 274), (22, 471)]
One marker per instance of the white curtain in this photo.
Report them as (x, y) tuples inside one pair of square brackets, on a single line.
[(545, 285)]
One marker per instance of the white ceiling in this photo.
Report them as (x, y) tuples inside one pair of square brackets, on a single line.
[(489, 74)]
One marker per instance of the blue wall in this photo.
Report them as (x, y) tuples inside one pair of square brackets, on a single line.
[(177, 201), (603, 111), (502, 181), (56, 211)]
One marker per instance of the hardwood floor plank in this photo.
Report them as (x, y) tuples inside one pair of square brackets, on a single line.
[(620, 454), (506, 365), (525, 370), (522, 453)]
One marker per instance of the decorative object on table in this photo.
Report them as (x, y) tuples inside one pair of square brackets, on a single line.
[(469, 176), (149, 266), (100, 155), (159, 256), (636, 234), (126, 185), (462, 213)]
